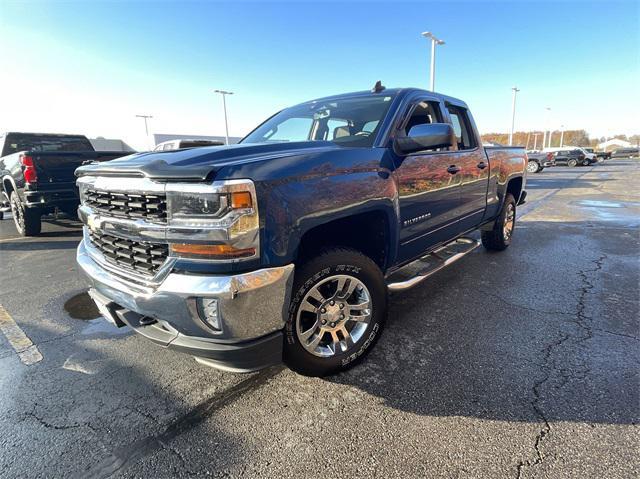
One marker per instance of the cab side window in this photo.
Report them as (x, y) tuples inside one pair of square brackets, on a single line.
[(424, 112), (462, 127)]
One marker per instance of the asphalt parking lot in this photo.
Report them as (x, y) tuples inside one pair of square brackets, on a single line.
[(516, 364)]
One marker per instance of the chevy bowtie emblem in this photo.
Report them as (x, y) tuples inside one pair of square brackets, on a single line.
[(94, 223)]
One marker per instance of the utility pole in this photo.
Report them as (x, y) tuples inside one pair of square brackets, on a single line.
[(224, 106), (434, 41), (535, 140), (146, 127), (513, 114), (561, 136)]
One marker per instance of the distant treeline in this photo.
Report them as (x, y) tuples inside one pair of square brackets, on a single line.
[(571, 137)]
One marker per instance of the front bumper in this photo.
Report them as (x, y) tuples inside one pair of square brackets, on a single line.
[(252, 308)]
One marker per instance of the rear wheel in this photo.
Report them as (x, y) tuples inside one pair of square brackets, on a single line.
[(586, 162), (499, 237), (572, 162), (337, 312), (533, 167), (27, 220)]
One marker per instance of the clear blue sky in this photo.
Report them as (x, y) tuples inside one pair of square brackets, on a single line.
[(90, 67)]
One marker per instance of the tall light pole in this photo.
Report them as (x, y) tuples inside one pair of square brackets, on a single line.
[(224, 106), (561, 136), (434, 41), (513, 114), (535, 140), (546, 128), (146, 127)]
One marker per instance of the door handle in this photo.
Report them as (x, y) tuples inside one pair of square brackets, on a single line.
[(482, 165), (453, 169)]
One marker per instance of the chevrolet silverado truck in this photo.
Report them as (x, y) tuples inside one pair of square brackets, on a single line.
[(286, 245), (37, 175)]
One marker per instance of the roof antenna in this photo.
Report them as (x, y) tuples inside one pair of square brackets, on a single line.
[(378, 87)]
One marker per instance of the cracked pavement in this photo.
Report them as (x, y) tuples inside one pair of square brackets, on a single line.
[(520, 364)]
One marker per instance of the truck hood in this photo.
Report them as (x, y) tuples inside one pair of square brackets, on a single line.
[(199, 164)]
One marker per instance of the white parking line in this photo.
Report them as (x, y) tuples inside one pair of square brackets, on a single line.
[(6, 240), (27, 351)]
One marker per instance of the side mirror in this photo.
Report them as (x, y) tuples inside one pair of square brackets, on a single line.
[(425, 137)]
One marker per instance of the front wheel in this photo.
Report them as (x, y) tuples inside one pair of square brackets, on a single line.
[(337, 313), (499, 237), (586, 163)]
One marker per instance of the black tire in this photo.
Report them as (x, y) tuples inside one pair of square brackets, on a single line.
[(572, 163), (322, 271), (497, 238), (28, 221), (1, 215), (586, 163)]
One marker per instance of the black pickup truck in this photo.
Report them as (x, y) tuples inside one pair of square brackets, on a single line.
[(286, 245), (37, 174)]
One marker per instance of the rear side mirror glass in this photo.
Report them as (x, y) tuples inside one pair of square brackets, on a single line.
[(427, 136)]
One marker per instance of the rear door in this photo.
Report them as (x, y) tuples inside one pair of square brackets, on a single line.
[(429, 193), (474, 168)]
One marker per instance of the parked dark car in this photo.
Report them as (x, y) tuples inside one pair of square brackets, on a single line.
[(536, 162), (625, 153), (37, 174), (571, 158), (286, 245)]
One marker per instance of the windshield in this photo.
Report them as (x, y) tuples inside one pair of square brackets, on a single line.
[(15, 142), (350, 121)]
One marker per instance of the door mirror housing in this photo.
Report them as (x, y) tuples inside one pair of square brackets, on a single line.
[(425, 137)]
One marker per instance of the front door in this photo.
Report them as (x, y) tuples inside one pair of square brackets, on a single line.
[(428, 188)]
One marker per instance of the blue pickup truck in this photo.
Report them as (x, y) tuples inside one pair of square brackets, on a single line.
[(286, 245)]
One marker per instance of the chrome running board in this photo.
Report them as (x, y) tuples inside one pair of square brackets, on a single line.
[(419, 270)]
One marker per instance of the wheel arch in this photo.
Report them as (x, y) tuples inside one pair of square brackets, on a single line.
[(369, 232)]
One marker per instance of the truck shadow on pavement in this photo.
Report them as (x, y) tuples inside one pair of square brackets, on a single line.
[(551, 336)]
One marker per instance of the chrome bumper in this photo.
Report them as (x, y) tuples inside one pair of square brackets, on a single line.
[(251, 305)]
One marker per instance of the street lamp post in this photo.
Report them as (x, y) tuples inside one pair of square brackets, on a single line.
[(561, 136), (513, 114), (535, 140), (546, 128), (146, 127), (434, 41), (224, 106)]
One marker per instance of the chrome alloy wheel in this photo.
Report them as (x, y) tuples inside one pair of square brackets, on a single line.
[(333, 315), (509, 221), (532, 167)]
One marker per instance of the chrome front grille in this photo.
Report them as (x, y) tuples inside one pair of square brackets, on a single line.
[(149, 207), (142, 257)]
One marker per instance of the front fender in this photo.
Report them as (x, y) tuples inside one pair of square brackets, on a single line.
[(346, 183)]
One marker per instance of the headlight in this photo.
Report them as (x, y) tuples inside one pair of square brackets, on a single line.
[(216, 222)]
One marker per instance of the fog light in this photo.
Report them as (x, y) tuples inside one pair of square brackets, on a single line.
[(208, 311)]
